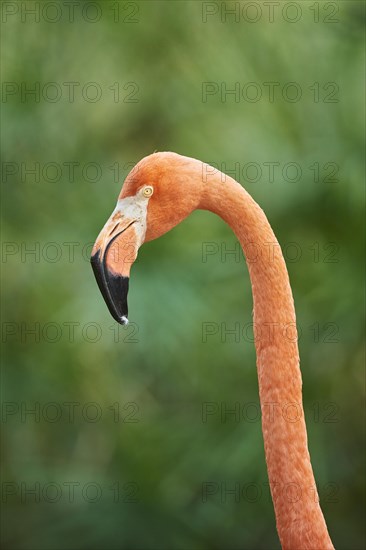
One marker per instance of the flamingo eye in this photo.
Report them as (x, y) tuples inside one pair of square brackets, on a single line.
[(148, 191)]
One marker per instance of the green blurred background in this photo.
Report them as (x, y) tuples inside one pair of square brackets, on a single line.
[(139, 393)]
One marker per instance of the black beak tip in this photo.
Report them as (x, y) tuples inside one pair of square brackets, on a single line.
[(113, 287)]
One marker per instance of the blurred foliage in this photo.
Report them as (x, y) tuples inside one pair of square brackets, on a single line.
[(168, 370)]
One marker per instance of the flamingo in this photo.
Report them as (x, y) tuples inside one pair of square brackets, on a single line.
[(160, 192)]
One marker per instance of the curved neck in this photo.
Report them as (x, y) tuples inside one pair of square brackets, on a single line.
[(300, 522)]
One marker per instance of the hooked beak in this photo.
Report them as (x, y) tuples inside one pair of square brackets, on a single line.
[(113, 253)]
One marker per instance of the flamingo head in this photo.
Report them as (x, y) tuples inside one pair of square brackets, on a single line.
[(159, 192)]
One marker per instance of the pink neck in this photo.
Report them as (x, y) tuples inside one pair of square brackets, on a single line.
[(300, 522)]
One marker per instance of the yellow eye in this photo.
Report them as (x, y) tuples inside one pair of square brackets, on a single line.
[(148, 191)]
